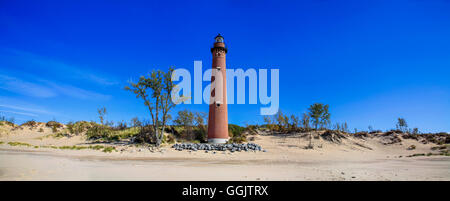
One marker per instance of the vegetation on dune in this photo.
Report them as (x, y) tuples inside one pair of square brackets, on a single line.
[(189, 126), (281, 123), (73, 147), (106, 133), (317, 122), (5, 121), (30, 123), (79, 127), (237, 134), (99, 132), (106, 149), (103, 132), (185, 119), (109, 149), (54, 125)]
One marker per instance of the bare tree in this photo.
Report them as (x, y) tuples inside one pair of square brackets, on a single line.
[(294, 123), (305, 121), (269, 122), (101, 114), (280, 120)]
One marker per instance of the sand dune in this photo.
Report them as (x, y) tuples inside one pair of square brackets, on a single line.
[(39, 158)]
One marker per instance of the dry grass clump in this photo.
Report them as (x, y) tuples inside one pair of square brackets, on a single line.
[(333, 136), (30, 123), (54, 125), (7, 123)]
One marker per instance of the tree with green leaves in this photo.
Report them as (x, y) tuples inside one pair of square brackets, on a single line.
[(319, 114), (156, 91), (185, 119), (402, 125), (199, 120)]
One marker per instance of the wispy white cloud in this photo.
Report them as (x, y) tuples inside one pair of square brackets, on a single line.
[(26, 109), (64, 69), (47, 89), (19, 113), (19, 86), (76, 92)]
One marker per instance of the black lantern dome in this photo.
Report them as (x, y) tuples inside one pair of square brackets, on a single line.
[(219, 39)]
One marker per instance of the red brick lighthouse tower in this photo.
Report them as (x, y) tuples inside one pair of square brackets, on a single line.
[(218, 112)]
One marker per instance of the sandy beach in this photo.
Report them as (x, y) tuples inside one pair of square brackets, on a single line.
[(286, 159), (24, 165)]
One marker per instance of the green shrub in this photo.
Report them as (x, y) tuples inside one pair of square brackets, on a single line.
[(236, 134), (79, 127), (107, 133), (146, 135), (98, 132), (19, 144), (96, 147), (109, 149), (125, 133), (237, 139), (235, 130), (74, 147), (201, 133), (416, 155)]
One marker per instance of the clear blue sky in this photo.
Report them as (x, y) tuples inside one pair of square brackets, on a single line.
[(371, 61)]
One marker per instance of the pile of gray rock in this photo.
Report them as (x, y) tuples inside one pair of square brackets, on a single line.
[(218, 147)]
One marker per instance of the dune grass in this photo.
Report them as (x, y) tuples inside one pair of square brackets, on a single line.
[(19, 144), (109, 149), (106, 149)]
